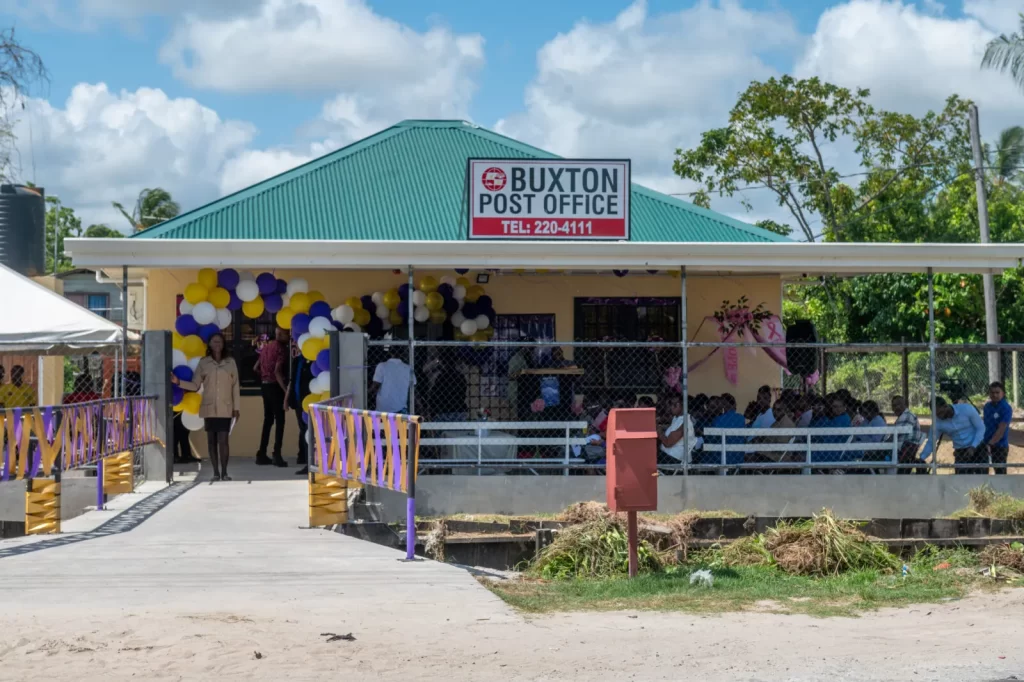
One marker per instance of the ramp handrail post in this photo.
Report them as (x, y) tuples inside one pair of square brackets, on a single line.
[(410, 490)]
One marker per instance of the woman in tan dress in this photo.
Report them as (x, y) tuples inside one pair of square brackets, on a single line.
[(217, 374)]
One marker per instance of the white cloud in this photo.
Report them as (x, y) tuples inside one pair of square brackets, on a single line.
[(1001, 16), (103, 146), (641, 85), (255, 165)]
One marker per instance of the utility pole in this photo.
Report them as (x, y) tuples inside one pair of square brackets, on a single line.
[(988, 281)]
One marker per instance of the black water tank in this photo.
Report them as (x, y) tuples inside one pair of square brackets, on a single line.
[(23, 229)]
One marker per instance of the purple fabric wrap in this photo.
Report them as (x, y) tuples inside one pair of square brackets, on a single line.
[(360, 450), (339, 422), (375, 420), (395, 448), (17, 433)]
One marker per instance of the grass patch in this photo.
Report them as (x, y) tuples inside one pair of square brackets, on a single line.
[(756, 587), (987, 503)]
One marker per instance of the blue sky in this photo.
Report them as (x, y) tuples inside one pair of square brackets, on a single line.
[(584, 78)]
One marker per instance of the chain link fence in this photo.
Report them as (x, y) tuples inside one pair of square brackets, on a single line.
[(541, 406)]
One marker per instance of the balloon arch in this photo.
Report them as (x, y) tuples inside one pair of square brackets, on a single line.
[(464, 309)]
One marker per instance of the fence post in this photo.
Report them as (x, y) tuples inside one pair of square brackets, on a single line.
[(567, 436), (905, 367), (1016, 381), (932, 429), (410, 488), (412, 343), (807, 469), (100, 497), (724, 461), (156, 379), (684, 370)]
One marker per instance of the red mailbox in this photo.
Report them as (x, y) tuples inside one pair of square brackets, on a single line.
[(632, 461)]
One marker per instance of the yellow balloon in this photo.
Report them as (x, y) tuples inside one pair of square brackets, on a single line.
[(315, 296), (428, 284), (392, 299), (191, 402), (208, 278), (192, 346), (311, 348), (309, 400), (219, 297), (326, 395), (395, 317), (177, 341), (474, 292), (178, 408), (362, 317), (463, 282), (354, 303), (253, 309), (300, 302), (434, 301), (438, 316), (284, 318), (196, 293), (480, 335)]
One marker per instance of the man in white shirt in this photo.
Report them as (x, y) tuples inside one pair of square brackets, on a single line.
[(391, 380), (673, 444)]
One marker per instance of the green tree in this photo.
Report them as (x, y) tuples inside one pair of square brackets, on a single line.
[(21, 69), (1006, 158), (152, 206), (1006, 54), (101, 232), (61, 223), (780, 135)]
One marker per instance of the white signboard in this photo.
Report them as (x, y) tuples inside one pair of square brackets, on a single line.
[(549, 199)]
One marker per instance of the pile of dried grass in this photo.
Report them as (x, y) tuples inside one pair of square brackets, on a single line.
[(823, 545), (593, 549), (433, 544), (986, 502), (1006, 555), (585, 512)]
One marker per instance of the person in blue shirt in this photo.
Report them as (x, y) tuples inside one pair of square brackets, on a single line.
[(997, 417), (729, 418), (964, 426), (839, 419)]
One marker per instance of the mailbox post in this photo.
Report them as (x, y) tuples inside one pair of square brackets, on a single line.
[(631, 485)]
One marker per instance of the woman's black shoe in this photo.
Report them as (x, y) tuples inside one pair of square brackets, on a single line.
[(279, 461), (263, 460), (302, 472)]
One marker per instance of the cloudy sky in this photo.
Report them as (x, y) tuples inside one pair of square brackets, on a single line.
[(204, 97)]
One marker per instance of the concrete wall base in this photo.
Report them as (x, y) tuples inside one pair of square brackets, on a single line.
[(848, 496), (75, 495)]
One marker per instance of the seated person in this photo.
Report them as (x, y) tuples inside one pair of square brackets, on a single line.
[(839, 418), (17, 393), (671, 439), (729, 418), (872, 417)]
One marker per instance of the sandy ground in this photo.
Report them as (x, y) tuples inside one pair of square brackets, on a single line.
[(226, 571)]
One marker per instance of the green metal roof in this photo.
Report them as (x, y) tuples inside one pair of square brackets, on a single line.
[(407, 183)]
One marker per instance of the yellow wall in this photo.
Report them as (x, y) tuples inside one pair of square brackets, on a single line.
[(549, 293)]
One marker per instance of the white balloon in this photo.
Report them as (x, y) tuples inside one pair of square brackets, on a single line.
[(319, 326), (482, 322), (334, 313), (459, 292), (248, 291), (287, 299), (302, 340), (468, 327), (387, 325), (185, 308), (382, 312), (323, 382), (449, 280), (418, 298), (246, 276), (192, 422), (378, 298), (421, 314), (223, 318), (178, 358), (458, 318), (192, 364), (298, 285), (204, 313), (346, 314), (353, 327)]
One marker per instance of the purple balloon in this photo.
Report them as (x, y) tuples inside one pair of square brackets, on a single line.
[(484, 303), (450, 305), (320, 309), (376, 327), (207, 331), (446, 290), (462, 271), (235, 303), (403, 291), (273, 303), (300, 324), (323, 359), (177, 393), (491, 316), (403, 311), (186, 325), (267, 283), (282, 287), (315, 369), (470, 310), (183, 372), (620, 273), (228, 279)]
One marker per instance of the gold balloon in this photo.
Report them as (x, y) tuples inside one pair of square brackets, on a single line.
[(392, 299), (362, 317), (284, 318), (193, 346), (315, 297), (196, 293), (220, 298), (208, 278), (311, 348), (435, 301), (395, 317), (474, 292), (191, 402), (438, 316), (428, 284), (354, 303), (253, 309), (300, 302), (177, 341), (463, 282)]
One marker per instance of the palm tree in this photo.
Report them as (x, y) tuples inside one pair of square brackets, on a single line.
[(1006, 53), (152, 206), (1009, 154)]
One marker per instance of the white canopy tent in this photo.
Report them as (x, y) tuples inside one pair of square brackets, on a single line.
[(37, 320)]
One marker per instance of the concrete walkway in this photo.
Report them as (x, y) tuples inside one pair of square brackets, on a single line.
[(224, 583)]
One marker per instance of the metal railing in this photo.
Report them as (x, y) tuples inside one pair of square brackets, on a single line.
[(492, 435)]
